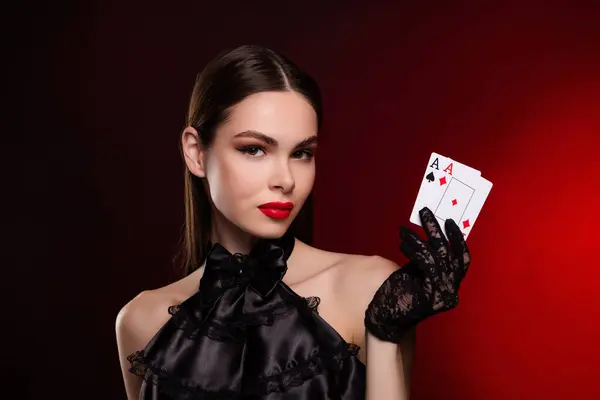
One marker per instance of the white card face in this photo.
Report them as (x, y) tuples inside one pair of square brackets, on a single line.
[(465, 222), (454, 201), (451, 190), (463, 202), (439, 172)]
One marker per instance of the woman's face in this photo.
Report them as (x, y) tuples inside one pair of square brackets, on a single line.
[(263, 153)]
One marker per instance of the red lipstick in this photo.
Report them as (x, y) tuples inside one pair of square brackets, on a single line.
[(276, 209)]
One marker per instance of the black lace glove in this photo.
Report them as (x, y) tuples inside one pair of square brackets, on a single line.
[(428, 284)]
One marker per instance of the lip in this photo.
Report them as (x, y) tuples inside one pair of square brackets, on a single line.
[(276, 213), (276, 209), (278, 205)]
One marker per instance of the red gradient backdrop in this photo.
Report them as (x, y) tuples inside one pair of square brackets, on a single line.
[(510, 89)]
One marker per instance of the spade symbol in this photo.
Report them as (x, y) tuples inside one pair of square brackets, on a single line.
[(430, 177)]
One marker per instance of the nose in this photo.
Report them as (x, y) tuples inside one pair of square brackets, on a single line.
[(283, 179)]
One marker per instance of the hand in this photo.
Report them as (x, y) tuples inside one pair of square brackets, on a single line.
[(440, 269), (427, 285)]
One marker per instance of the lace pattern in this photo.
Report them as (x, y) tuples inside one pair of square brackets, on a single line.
[(312, 302), (138, 363), (295, 374), (235, 330), (225, 330), (428, 284)]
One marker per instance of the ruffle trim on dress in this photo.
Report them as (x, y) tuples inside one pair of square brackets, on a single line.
[(194, 327), (295, 374), (195, 324), (175, 388)]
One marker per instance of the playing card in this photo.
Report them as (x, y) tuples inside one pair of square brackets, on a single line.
[(462, 202), (439, 172), (451, 190)]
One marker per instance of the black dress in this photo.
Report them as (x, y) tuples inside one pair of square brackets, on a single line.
[(246, 335)]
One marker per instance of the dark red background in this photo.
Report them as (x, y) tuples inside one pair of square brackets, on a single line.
[(97, 99)]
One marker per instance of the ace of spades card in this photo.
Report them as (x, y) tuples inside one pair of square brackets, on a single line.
[(451, 190)]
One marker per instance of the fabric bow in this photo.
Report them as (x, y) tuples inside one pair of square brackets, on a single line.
[(261, 270)]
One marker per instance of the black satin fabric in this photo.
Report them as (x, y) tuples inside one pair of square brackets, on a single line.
[(246, 335)]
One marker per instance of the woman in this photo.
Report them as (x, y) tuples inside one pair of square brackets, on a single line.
[(261, 314)]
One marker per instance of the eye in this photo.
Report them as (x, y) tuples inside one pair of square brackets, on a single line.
[(251, 150), (305, 154)]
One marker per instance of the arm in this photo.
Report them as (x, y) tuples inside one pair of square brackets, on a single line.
[(389, 367), (427, 285), (136, 323), (388, 364)]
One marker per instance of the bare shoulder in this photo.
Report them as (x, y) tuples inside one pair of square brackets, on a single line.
[(141, 318), (362, 275), (359, 276), (137, 322)]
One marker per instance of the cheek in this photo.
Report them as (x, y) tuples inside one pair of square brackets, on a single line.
[(305, 178), (233, 181)]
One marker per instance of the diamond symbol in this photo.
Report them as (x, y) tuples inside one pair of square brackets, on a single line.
[(466, 223), (454, 202), (442, 180)]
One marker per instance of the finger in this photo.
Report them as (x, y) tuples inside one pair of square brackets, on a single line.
[(409, 236), (434, 232), (416, 267), (455, 237), (404, 231), (460, 251), (412, 268), (408, 251), (417, 251)]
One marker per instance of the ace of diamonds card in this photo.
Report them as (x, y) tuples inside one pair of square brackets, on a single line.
[(451, 190)]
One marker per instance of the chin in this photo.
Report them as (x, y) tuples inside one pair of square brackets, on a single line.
[(269, 229), (273, 232)]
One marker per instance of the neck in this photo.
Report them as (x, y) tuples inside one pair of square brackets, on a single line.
[(230, 236)]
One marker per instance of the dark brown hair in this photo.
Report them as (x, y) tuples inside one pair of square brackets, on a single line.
[(227, 80)]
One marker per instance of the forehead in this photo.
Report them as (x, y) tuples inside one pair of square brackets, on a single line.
[(276, 114)]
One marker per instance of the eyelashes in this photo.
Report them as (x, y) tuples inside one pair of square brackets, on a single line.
[(250, 150), (253, 152)]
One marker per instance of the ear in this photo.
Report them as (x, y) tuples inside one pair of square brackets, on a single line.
[(193, 151)]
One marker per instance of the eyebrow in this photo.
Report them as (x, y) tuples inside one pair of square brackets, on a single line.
[(270, 141)]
